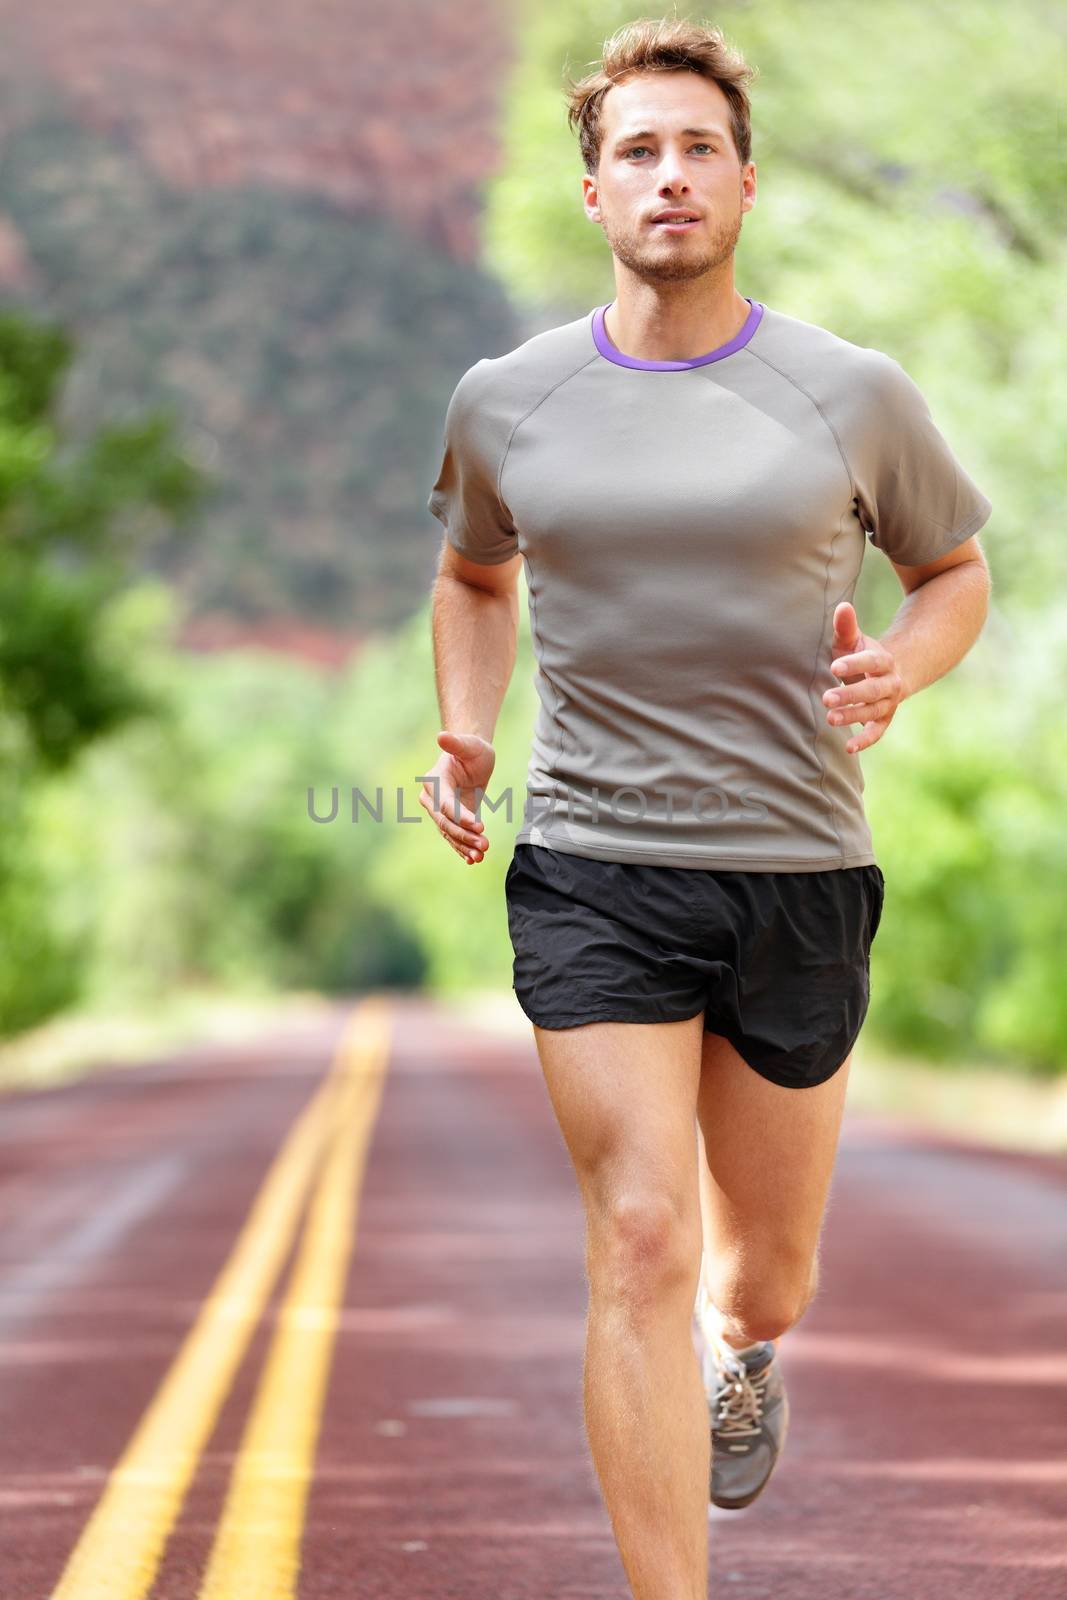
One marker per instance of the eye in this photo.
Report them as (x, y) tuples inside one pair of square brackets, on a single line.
[(645, 147)]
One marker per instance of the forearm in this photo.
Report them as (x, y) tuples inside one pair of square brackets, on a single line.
[(938, 623), (475, 637)]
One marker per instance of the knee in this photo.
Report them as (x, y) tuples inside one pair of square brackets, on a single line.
[(642, 1247), (768, 1295), (767, 1313)]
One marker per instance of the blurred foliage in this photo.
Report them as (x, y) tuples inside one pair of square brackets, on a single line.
[(186, 851), (310, 355), (966, 795), (69, 520)]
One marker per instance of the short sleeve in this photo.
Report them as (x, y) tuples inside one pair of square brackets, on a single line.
[(914, 498), (466, 497)]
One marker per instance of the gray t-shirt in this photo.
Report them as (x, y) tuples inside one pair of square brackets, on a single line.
[(687, 529)]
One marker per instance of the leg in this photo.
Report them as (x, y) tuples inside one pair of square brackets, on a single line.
[(625, 1098), (768, 1155)]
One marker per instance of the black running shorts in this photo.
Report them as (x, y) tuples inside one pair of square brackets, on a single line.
[(777, 961)]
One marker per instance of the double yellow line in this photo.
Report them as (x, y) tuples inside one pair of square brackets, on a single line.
[(256, 1552)]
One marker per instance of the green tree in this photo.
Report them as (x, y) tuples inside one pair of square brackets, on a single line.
[(70, 521)]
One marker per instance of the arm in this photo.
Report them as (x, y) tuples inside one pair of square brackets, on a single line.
[(913, 497), (475, 620), (475, 623), (945, 607), (475, 607)]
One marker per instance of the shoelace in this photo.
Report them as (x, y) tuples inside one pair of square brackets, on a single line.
[(738, 1405)]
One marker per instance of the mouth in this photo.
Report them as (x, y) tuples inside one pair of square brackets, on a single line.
[(677, 224)]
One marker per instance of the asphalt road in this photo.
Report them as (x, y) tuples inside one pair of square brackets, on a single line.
[(306, 1319)]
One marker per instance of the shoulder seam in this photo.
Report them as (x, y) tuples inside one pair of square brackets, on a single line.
[(788, 378), (526, 415)]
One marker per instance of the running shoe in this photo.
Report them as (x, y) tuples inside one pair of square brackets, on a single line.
[(749, 1414)]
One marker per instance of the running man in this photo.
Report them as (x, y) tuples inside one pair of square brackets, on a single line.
[(690, 477)]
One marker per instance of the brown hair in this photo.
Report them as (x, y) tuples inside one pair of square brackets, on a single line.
[(661, 45)]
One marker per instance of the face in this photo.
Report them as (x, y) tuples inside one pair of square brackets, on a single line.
[(667, 145)]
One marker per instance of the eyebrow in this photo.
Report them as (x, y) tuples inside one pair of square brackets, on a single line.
[(647, 133)]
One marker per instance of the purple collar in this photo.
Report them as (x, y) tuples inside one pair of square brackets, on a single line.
[(739, 340)]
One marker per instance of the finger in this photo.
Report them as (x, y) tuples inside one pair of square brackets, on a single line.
[(453, 797), (452, 805), (470, 853), (468, 822), (859, 706), (453, 808), (846, 622), (862, 661), (886, 686), (870, 734), (854, 694), (459, 836), (873, 711), (875, 685)]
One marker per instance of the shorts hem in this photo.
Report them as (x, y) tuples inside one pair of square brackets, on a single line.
[(560, 1024), (599, 1014), (772, 1075)]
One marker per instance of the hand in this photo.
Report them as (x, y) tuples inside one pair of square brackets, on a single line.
[(873, 685), (465, 768)]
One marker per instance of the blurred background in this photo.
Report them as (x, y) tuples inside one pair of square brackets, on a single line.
[(245, 256)]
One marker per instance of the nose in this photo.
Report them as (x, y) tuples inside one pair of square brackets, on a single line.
[(671, 174)]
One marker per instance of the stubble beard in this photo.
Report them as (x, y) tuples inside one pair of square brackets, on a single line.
[(651, 261)]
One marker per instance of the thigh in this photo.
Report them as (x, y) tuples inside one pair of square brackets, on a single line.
[(625, 1097), (770, 1152)]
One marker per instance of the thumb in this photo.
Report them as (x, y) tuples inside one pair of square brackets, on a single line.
[(846, 627), (459, 744)]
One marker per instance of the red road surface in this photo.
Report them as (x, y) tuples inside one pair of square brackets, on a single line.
[(928, 1381)]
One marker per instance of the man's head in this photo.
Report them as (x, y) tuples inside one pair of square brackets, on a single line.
[(664, 125)]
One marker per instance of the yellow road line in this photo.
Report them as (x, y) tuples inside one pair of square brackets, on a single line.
[(256, 1554), (118, 1554)]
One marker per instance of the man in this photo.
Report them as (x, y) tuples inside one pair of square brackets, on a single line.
[(690, 477)]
